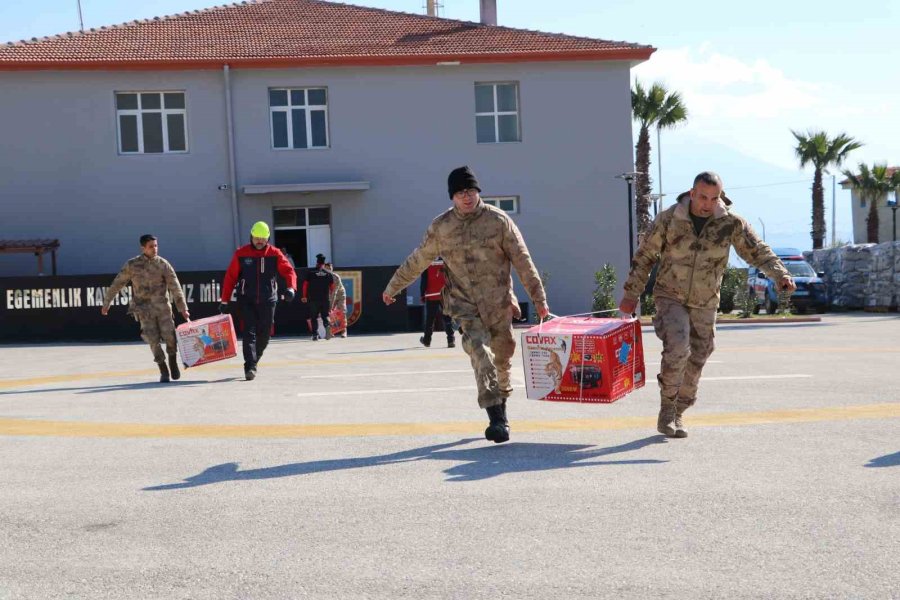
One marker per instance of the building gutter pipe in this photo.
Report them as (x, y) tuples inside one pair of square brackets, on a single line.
[(232, 175)]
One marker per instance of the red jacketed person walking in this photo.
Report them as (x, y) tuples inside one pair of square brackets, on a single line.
[(254, 271), (431, 289)]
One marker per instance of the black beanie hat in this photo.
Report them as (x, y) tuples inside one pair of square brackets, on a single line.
[(320, 259), (461, 178)]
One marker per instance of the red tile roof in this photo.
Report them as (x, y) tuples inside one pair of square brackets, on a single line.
[(269, 33)]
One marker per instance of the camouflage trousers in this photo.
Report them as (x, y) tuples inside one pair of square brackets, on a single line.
[(490, 348), (688, 337), (157, 326)]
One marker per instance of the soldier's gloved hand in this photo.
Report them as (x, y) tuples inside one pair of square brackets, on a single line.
[(289, 295), (223, 308)]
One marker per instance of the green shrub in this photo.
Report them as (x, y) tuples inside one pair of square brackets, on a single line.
[(733, 280), (605, 280), (648, 306)]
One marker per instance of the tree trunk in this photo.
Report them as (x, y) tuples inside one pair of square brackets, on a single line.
[(642, 183), (818, 211), (872, 220)]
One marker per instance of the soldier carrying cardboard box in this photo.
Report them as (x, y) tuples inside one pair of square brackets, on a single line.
[(155, 285), (479, 244)]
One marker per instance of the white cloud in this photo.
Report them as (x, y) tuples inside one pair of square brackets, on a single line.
[(751, 105)]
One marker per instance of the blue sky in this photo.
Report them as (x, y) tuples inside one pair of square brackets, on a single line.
[(748, 76)]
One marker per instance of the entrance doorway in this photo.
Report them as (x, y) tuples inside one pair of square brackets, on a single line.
[(302, 233)]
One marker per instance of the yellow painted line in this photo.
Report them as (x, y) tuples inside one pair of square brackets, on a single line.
[(221, 366), (27, 427)]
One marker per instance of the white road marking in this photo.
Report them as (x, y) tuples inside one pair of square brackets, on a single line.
[(753, 377), (381, 374), (471, 388)]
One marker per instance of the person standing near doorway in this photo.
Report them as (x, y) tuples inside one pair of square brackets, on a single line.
[(253, 272), (318, 287)]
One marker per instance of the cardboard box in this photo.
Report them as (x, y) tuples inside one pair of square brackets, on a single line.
[(206, 340), (338, 320), (583, 359)]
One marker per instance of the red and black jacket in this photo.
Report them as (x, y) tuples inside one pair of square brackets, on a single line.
[(318, 286), (255, 274), (433, 280)]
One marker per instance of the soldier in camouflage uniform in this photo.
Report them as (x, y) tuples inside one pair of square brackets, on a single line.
[(338, 296), (479, 243), (691, 241), (154, 285)]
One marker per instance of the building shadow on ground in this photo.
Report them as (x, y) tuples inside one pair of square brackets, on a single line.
[(122, 387), (474, 464), (888, 460)]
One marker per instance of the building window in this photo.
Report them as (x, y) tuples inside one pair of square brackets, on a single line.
[(508, 204), (862, 201), (151, 122), (299, 117), (497, 113)]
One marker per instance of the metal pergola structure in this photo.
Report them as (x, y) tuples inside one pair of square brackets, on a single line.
[(36, 247)]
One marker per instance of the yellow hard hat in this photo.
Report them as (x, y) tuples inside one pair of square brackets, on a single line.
[(260, 230)]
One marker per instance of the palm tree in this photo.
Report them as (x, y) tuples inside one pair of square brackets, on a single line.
[(655, 106), (872, 184), (817, 149)]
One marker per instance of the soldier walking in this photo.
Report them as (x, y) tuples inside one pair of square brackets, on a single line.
[(479, 243), (430, 289), (338, 297), (691, 241), (318, 287), (154, 286), (254, 271)]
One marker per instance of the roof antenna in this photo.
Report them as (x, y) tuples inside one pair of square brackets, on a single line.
[(80, 18)]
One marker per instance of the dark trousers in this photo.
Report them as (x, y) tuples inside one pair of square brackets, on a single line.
[(435, 318), (318, 309), (258, 320)]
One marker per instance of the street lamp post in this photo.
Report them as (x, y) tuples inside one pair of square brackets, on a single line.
[(629, 178), (764, 228), (892, 204)]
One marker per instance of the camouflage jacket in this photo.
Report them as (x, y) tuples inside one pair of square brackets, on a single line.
[(691, 266), (478, 250), (153, 283), (339, 295)]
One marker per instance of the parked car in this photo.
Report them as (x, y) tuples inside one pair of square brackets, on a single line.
[(811, 292)]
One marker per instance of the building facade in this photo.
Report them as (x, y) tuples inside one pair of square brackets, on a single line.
[(343, 153)]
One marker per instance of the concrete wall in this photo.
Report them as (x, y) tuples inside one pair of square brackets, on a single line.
[(401, 129), (860, 275)]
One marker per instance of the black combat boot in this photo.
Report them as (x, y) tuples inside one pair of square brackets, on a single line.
[(498, 430), (250, 373), (173, 367), (424, 342), (163, 372)]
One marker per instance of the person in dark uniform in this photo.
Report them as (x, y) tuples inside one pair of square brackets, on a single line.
[(430, 291), (254, 271), (318, 286)]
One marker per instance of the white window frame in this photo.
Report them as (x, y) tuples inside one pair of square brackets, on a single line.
[(495, 202), (496, 114), (140, 122), (310, 250), (289, 117)]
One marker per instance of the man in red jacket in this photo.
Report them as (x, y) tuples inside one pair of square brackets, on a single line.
[(254, 271), (430, 290)]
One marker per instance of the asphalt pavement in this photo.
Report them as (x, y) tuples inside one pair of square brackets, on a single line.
[(357, 468)]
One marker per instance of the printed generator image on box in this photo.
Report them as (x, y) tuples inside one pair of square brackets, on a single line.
[(583, 359), (206, 340)]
